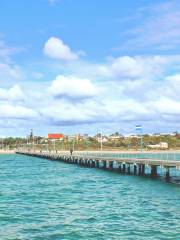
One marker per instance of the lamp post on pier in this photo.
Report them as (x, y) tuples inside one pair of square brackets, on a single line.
[(101, 142), (139, 129), (73, 144), (54, 145), (2, 144)]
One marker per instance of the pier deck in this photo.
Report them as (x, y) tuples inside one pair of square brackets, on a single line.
[(136, 166)]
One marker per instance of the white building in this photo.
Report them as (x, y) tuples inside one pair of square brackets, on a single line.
[(103, 139), (161, 145)]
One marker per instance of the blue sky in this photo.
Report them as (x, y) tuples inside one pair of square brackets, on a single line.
[(87, 66)]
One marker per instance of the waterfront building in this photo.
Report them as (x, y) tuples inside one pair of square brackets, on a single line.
[(53, 136), (161, 145)]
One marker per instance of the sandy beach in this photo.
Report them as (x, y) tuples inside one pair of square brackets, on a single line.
[(2, 151)]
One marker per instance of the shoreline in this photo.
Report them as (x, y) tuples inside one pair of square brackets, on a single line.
[(7, 151), (103, 151)]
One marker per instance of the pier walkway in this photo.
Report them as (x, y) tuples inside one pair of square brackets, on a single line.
[(136, 166)]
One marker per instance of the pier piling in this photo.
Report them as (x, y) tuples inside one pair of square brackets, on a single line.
[(135, 169), (153, 171), (112, 163)]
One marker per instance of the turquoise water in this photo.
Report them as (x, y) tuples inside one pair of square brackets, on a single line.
[(42, 199)]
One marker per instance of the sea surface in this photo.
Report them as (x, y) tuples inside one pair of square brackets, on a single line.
[(43, 200)]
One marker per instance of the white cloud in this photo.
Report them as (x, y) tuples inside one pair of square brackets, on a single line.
[(67, 113), (135, 67), (142, 95), (6, 51), (14, 93), (120, 103), (10, 73), (157, 28), (55, 48), (168, 88), (120, 91), (73, 87), (16, 112), (167, 106)]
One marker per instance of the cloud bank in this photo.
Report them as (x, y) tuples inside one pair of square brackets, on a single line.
[(112, 94)]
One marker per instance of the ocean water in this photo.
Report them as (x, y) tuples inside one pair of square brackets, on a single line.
[(42, 199)]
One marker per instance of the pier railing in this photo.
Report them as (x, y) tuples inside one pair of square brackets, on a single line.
[(124, 163), (170, 156), (157, 156)]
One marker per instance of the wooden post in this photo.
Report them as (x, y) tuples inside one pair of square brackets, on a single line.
[(93, 163), (135, 169), (128, 169), (139, 169), (143, 169), (124, 167), (120, 169), (167, 173), (111, 165), (153, 171), (104, 164), (97, 163)]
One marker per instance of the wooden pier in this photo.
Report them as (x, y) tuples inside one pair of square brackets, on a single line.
[(132, 166)]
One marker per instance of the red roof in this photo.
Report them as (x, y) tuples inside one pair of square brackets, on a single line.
[(55, 135)]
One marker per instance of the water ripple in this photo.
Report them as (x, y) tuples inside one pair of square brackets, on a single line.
[(41, 199)]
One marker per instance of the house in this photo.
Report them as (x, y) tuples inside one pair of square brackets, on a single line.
[(85, 136), (55, 136), (103, 139), (161, 145), (71, 138), (79, 137), (115, 137)]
